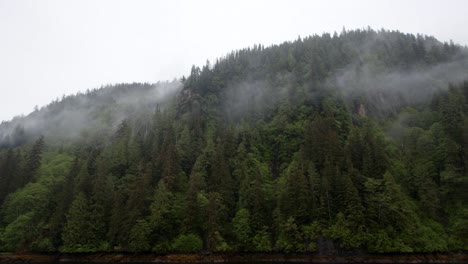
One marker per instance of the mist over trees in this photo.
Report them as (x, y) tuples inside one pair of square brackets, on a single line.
[(355, 141), (97, 112)]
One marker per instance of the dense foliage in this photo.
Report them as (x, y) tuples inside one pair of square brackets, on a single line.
[(307, 146)]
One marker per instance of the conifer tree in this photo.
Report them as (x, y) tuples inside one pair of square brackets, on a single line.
[(78, 233)]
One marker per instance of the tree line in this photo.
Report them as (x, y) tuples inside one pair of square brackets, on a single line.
[(298, 168)]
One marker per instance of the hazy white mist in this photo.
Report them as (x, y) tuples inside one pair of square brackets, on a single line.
[(50, 48)]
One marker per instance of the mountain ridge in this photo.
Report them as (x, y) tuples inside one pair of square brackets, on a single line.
[(346, 142)]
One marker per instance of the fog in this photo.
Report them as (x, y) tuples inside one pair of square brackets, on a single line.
[(390, 90), (382, 90), (50, 48), (96, 112)]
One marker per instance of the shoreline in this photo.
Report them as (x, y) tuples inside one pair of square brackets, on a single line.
[(230, 258)]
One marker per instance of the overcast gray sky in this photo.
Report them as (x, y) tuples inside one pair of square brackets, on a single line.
[(57, 47)]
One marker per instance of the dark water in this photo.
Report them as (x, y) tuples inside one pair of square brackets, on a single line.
[(97, 258), (380, 261)]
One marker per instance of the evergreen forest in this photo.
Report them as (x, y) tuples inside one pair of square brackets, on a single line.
[(347, 142)]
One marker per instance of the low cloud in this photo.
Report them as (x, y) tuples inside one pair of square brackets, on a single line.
[(99, 110)]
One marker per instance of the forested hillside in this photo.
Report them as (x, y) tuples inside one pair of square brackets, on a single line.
[(355, 141), (95, 113)]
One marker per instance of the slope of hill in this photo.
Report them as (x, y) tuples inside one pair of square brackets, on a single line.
[(96, 112), (332, 143)]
